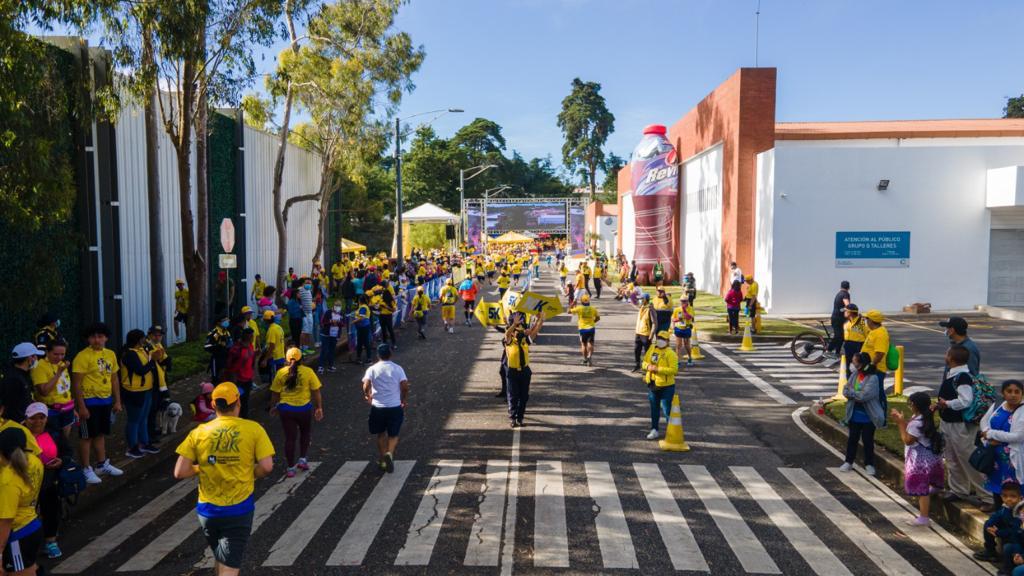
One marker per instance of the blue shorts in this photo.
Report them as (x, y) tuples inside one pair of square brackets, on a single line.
[(386, 420), (684, 333), (587, 336)]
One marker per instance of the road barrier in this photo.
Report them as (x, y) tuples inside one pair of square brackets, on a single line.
[(897, 386), (842, 379), (748, 343), (674, 440)]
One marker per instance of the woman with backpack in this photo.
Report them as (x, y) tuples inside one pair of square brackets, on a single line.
[(864, 412), (1002, 428), (958, 418)]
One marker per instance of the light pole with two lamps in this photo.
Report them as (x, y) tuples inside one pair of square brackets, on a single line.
[(398, 173)]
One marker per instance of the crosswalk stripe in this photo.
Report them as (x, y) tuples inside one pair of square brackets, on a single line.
[(102, 545), (295, 539), (791, 376), (157, 549), (749, 376), (675, 532), (426, 525), (821, 394), (815, 553), (352, 547), (887, 559), (950, 558), (550, 536), (612, 531), (485, 537), (740, 538), (267, 504), (813, 385)]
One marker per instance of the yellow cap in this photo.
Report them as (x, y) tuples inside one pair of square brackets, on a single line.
[(585, 299), (875, 316), (227, 392), (179, 281), (664, 335), (293, 355), (750, 276), (246, 309), (268, 315)]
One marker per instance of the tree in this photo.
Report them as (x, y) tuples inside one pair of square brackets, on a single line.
[(1014, 107), (430, 170), (482, 136), (586, 124)]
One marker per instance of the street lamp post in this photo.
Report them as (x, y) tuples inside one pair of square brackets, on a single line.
[(462, 194), (398, 174)]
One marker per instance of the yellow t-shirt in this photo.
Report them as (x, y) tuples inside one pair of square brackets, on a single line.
[(563, 271), (338, 271), (181, 301), (420, 304), (682, 317), (18, 498), (300, 396), (225, 450), (856, 331), (135, 382), (877, 341), (752, 290), (518, 353), (96, 367), (449, 295), (41, 374), (504, 281), (30, 440), (255, 332), (258, 288), (588, 316), (275, 337)]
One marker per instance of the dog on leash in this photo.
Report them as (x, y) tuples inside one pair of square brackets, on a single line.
[(167, 419)]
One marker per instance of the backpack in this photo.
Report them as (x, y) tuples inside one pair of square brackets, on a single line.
[(892, 358), (984, 397), (71, 481)]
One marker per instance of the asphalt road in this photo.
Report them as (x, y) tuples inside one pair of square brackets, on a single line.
[(577, 490)]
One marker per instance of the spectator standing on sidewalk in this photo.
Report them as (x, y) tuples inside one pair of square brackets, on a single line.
[(54, 451), (956, 394), (864, 412), (138, 371), (49, 331), (97, 391), (16, 385), (1003, 427), (855, 332), (956, 330), (838, 318), (52, 380), (218, 341), (733, 299), (644, 332), (876, 344), (735, 273), (153, 345), (241, 359), (330, 329)]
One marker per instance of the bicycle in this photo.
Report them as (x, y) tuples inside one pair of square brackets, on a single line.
[(811, 347)]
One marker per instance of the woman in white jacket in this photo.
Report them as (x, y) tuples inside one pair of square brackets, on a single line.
[(1003, 427)]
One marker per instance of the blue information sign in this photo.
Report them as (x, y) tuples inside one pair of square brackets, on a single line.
[(872, 249)]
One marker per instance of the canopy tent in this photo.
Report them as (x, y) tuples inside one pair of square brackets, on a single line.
[(511, 238), (350, 247), (429, 213)]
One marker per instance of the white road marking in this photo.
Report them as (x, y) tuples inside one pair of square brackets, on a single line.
[(426, 525), (749, 376), (507, 559), (550, 536), (484, 548), (887, 559), (104, 544), (612, 531), (950, 558), (738, 535), (813, 385), (267, 504), (352, 548), (818, 556), (295, 539), (675, 532)]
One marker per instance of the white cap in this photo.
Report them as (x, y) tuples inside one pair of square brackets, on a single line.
[(26, 349), (36, 408)]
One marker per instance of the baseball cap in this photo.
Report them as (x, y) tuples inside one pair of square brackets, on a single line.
[(268, 314), (225, 394), (246, 309), (852, 307), (958, 324), (156, 329), (646, 296), (293, 355), (875, 316), (585, 299), (25, 350), (36, 408), (663, 335)]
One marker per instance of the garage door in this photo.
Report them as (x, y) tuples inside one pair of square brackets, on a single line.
[(1006, 268)]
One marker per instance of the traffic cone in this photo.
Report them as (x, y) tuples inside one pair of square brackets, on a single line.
[(674, 441), (842, 379), (748, 343), (695, 353)]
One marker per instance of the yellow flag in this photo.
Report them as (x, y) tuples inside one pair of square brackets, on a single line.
[(534, 303), (489, 313)]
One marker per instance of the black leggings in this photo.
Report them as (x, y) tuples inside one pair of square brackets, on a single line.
[(865, 433), (49, 509), (597, 286), (640, 346), (363, 342), (387, 328), (296, 423)]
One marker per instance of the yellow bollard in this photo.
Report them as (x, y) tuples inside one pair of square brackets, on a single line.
[(897, 386), (842, 379), (674, 441), (695, 353)]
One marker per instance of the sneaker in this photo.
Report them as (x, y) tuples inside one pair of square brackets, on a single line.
[(389, 462), (320, 370), (653, 434), (923, 521), (90, 476), (134, 453), (382, 465), (107, 468), (512, 424), (53, 550), (150, 448), (869, 470), (689, 363), (332, 369), (519, 424), (846, 467), (290, 473), (303, 465)]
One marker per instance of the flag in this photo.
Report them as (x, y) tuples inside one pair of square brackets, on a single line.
[(489, 313)]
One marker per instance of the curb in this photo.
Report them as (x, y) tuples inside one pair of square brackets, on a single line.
[(960, 516)]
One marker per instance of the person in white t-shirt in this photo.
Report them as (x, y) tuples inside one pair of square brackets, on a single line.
[(737, 273), (385, 388)]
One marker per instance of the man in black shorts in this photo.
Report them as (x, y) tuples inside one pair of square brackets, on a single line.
[(385, 388)]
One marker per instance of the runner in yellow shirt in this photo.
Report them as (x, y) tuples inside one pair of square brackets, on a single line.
[(682, 326), (420, 307), (588, 317), (273, 344), (449, 297), (295, 397), (228, 453), (503, 283)]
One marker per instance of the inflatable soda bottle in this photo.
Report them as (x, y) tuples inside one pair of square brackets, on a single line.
[(655, 176)]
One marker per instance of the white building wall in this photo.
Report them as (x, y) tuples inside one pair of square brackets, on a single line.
[(134, 220), (936, 191), (702, 218), (301, 176), (628, 228), (764, 220), (607, 228)]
